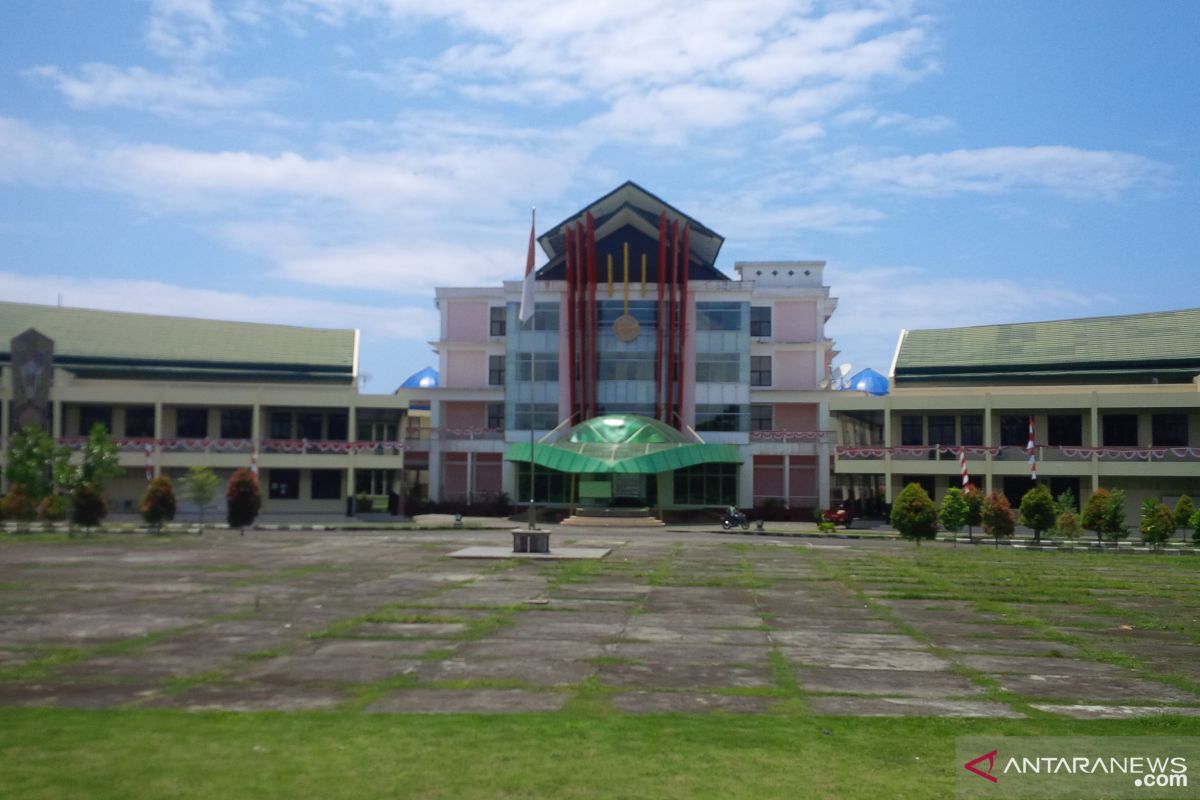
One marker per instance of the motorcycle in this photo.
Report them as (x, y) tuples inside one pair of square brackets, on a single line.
[(838, 516), (730, 520)]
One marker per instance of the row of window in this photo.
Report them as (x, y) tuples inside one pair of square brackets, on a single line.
[(326, 484), (716, 316), (710, 368), (237, 423), (708, 417), (1062, 430)]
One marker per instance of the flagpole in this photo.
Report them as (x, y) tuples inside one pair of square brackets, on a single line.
[(532, 375)]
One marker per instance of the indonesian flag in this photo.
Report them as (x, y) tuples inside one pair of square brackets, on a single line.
[(527, 289), (962, 465), (1031, 448)]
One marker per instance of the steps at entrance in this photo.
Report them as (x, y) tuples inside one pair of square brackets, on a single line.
[(613, 518)]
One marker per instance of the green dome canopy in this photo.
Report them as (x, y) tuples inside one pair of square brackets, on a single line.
[(623, 443), (625, 429)]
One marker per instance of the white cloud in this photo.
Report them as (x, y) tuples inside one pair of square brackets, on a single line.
[(99, 86), (185, 30), (1067, 171)]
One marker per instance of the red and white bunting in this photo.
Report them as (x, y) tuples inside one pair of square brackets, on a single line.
[(1032, 449), (962, 465)]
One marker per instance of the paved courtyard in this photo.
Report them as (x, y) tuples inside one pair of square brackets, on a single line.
[(669, 622)]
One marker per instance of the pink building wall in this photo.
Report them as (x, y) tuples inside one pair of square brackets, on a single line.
[(795, 321), (488, 473), (467, 320), (464, 415), (794, 370), (796, 416), (466, 369)]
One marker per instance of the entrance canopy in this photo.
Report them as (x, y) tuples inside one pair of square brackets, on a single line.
[(623, 444)]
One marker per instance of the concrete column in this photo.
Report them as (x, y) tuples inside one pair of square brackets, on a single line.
[(787, 479), (159, 435), (823, 467), (56, 419), (745, 497), (987, 440), (888, 442), (470, 476), (1094, 433)]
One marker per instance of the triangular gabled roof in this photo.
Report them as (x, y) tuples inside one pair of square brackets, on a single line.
[(631, 205)]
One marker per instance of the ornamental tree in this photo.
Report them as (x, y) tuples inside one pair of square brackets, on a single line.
[(1092, 517), (200, 486), (17, 504), (157, 505), (997, 517), (243, 499), (37, 463), (1113, 516), (100, 458), (1038, 511), (1183, 512), (1067, 524), (974, 499), (914, 515), (1195, 525), (953, 514), (1157, 523), (88, 507)]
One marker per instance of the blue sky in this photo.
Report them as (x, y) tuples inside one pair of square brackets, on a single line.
[(329, 162)]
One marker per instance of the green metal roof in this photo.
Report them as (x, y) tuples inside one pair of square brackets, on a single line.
[(623, 443), (1165, 345), (118, 344)]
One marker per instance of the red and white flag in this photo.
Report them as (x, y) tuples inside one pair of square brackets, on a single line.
[(962, 465), (527, 289), (149, 462), (1031, 448)]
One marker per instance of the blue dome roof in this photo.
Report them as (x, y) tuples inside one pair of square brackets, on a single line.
[(869, 381), (424, 379)]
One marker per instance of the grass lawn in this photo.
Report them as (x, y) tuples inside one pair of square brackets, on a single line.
[(176, 754)]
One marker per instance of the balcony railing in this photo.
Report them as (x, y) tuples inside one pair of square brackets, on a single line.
[(792, 436), (193, 445), (1044, 453)]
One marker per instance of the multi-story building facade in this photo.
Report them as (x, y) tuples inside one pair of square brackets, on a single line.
[(1114, 401), (177, 392), (632, 317)]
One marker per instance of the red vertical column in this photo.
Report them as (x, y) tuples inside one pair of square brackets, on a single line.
[(569, 252), (592, 311), (683, 304), (662, 317)]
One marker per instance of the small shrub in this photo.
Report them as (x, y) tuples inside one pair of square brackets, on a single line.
[(54, 508), (158, 503), (1067, 524), (997, 516), (914, 515), (826, 527), (243, 498), (953, 514), (88, 506), (1183, 513), (18, 505), (1194, 522), (1157, 523), (1113, 516), (1038, 511), (1092, 518)]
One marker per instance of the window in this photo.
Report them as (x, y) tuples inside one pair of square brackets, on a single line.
[(762, 417), (1014, 431), (912, 430), (1064, 430), (339, 426), (498, 321), (971, 432), (717, 367), (90, 416), (941, 429), (760, 370), (309, 425), (281, 425), (326, 484), (550, 486), (760, 321), (707, 485), (625, 366), (1120, 430), (139, 421), (191, 423), (372, 481), (495, 416), (495, 370), (545, 416), (283, 484), (544, 366), (545, 318), (235, 423), (1169, 430), (644, 311), (718, 316), (719, 418)]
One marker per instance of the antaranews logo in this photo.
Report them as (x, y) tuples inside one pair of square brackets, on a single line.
[(973, 766)]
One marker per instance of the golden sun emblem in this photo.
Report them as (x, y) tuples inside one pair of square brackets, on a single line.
[(626, 328)]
